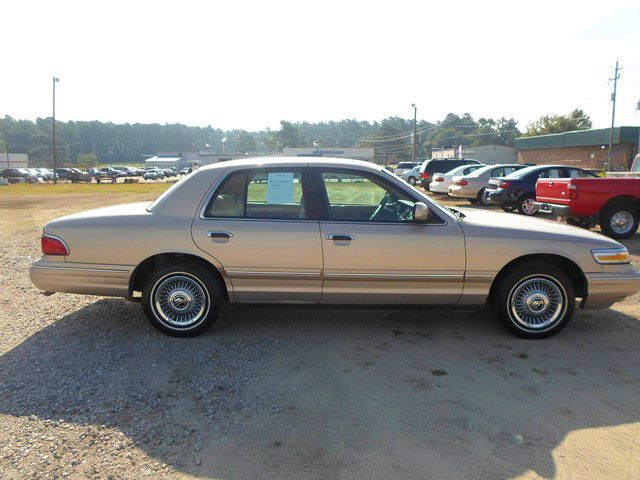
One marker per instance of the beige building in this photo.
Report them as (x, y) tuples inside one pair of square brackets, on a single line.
[(14, 160)]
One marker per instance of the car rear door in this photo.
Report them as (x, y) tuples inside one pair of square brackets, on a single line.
[(371, 255), (259, 226)]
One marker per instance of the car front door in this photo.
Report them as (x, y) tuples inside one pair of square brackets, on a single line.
[(373, 250), (257, 224)]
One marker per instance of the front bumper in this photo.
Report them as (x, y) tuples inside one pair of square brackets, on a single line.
[(605, 289), (553, 209), (84, 278)]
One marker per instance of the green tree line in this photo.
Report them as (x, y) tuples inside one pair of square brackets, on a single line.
[(82, 142)]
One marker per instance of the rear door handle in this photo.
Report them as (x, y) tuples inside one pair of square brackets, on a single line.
[(219, 234), (345, 237)]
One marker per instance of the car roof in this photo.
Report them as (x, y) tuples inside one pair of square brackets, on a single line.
[(293, 162)]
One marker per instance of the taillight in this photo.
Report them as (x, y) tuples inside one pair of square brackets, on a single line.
[(573, 192), (505, 184), (52, 245), (425, 175), (462, 183), (438, 179)]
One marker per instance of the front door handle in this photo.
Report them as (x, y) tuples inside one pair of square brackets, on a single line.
[(345, 237), (219, 234)]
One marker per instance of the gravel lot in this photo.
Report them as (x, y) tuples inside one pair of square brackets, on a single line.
[(89, 390)]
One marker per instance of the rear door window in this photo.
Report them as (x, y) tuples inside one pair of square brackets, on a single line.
[(267, 194)]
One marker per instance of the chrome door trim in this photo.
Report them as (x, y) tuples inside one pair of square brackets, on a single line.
[(97, 270), (444, 277), (271, 274)]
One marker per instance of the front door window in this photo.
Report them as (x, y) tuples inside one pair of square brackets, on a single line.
[(363, 198)]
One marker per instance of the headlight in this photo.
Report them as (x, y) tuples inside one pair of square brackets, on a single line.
[(611, 255)]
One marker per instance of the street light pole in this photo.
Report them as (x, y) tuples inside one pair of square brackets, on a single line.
[(55, 175), (415, 130)]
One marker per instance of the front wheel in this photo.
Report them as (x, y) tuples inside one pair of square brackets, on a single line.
[(508, 207), (535, 300), (182, 299), (526, 207), (619, 221), (412, 180)]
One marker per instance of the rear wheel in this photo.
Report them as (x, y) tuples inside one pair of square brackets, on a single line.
[(182, 299), (535, 300), (525, 205), (619, 221), (412, 180), (483, 198)]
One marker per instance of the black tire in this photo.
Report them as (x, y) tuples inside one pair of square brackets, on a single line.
[(614, 229), (482, 198), (412, 180), (195, 282), (523, 205), (555, 284)]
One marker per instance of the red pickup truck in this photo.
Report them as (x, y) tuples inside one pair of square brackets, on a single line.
[(613, 203)]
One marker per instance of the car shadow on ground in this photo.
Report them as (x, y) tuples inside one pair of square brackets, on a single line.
[(317, 393)]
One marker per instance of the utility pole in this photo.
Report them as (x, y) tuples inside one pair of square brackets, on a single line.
[(55, 175), (615, 78), (415, 131)]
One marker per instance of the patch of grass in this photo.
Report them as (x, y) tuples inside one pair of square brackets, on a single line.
[(47, 189)]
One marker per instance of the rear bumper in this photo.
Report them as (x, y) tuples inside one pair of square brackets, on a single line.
[(439, 187), (553, 209), (458, 191), (84, 278), (605, 289), (499, 196)]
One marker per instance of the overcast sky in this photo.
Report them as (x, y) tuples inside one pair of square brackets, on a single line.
[(249, 64)]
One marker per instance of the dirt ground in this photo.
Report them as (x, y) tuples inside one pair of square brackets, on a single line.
[(89, 390)]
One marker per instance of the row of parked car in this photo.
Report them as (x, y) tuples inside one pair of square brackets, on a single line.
[(76, 175), (580, 196)]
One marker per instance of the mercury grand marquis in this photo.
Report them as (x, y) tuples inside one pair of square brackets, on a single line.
[(326, 231)]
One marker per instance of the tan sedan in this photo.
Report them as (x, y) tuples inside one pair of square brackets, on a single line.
[(320, 231)]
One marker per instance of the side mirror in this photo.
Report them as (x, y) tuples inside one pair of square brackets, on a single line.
[(420, 212)]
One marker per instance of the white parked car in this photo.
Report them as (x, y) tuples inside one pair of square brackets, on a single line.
[(440, 182)]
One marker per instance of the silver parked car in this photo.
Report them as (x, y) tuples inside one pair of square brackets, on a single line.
[(408, 171), (472, 185), (317, 231)]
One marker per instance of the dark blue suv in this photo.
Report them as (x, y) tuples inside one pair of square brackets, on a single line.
[(518, 189)]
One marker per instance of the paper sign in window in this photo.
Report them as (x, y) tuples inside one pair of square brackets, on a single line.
[(280, 187)]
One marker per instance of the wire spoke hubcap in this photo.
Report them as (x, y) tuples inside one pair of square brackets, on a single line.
[(180, 300), (621, 222), (537, 302), (528, 206)]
